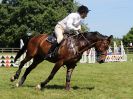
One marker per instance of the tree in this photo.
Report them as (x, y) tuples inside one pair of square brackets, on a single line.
[(128, 38), (10, 2), (17, 17)]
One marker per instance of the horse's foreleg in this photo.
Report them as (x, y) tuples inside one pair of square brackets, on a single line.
[(36, 61), (68, 77), (16, 76), (50, 77)]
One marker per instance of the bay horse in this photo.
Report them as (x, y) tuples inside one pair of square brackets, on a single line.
[(69, 53)]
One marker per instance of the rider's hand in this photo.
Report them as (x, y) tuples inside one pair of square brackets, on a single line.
[(76, 29), (77, 32), (80, 31)]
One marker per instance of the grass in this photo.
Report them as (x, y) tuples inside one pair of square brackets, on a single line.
[(89, 81)]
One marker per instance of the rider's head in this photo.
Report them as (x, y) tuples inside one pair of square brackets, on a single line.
[(83, 11)]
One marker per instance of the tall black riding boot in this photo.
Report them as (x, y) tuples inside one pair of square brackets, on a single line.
[(51, 50)]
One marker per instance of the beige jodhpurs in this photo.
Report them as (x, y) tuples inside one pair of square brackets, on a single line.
[(59, 32)]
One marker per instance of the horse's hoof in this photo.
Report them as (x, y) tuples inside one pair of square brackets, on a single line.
[(38, 87), (17, 85), (12, 79), (67, 88)]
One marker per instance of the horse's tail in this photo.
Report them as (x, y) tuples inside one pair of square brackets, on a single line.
[(21, 51)]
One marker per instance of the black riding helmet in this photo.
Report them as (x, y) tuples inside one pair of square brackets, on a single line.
[(83, 9)]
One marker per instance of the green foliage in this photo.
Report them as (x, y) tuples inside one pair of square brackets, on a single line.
[(117, 40), (128, 37), (19, 16)]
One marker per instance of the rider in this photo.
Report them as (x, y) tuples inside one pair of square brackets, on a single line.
[(70, 22)]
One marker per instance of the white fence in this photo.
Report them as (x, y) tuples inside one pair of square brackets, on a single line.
[(7, 60)]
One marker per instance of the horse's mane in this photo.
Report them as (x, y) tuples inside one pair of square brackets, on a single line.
[(87, 35), (95, 33)]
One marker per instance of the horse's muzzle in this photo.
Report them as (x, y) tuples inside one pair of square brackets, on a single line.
[(101, 61)]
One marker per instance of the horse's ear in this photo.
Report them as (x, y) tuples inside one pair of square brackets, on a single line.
[(110, 38)]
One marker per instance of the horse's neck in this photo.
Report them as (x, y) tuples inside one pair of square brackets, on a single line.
[(79, 42), (85, 44)]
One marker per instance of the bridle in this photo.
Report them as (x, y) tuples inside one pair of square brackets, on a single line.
[(99, 53)]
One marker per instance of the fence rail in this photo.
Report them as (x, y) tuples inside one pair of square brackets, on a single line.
[(128, 50), (12, 50)]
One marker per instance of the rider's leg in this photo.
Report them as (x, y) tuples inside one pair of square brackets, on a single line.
[(51, 50), (59, 35)]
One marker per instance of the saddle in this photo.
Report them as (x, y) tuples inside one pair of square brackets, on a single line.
[(52, 39)]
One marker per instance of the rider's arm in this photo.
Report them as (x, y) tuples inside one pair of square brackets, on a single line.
[(70, 25), (70, 21)]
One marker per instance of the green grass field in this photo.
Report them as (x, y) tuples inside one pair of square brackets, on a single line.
[(89, 81)]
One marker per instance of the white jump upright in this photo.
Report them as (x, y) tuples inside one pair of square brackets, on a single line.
[(116, 50), (124, 56), (88, 56), (84, 58), (92, 56), (110, 50), (118, 55)]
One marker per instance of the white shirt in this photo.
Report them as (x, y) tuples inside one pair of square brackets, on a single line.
[(71, 22)]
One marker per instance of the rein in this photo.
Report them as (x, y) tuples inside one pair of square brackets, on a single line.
[(85, 38), (88, 43)]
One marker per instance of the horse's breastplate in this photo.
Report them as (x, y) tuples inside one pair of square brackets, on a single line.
[(71, 43)]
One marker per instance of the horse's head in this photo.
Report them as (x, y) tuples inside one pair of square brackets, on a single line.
[(101, 48), (100, 43)]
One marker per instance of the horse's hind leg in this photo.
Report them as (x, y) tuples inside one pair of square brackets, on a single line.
[(36, 61), (16, 76), (50, 77)]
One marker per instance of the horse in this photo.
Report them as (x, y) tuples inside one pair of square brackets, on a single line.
[(69, 53)]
